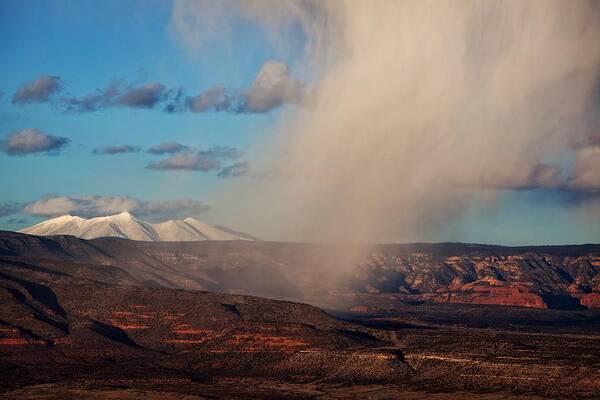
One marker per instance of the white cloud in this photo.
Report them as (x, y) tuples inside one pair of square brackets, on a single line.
[(205, 160), (30, 141), (38, 90), (272, 88), (92, 206)]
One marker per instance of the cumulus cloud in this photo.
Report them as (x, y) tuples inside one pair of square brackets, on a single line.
[(102, 98), (204, 160), (579, 180), (168, 148), (39, 90), (214, 99), (93, 206), (186, 161), (144, 96), (30, 141), (118, 93), (572, 185), (111, 150), (85, 206), (235, 170), (272, 88)]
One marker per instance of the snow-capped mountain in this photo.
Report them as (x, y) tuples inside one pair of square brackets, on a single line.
[(125, 225)]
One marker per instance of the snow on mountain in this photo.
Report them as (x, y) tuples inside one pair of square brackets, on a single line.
[(125, 225)]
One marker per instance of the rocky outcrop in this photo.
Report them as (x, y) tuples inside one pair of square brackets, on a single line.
[(589, 300), (544, 278), (484, 293)]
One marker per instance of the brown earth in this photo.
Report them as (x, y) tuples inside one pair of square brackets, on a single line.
[(78, 322), (54, 325)]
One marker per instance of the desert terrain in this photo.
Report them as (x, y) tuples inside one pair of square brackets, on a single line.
[(113, 318)]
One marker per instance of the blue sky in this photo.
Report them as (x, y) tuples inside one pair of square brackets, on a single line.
[(226, 105), (88, 46)]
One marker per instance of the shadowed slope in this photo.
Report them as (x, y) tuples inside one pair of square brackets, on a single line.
[(565, 277)]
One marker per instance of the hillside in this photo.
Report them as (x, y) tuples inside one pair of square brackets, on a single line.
[(55, 323), (108, 318), (341, 276)]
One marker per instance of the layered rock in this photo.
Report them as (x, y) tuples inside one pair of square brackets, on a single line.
[(504, 276)]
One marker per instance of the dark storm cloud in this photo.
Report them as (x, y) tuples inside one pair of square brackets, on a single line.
[(94, 206), (30, 141), (167, 148), (235, 170), (111, 150), (39, 90)]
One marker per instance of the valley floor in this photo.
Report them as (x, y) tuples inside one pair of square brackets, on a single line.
[(493, 349), (515, 353), (236, 390)]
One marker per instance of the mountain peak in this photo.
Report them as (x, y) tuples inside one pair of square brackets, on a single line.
[(62, 219), (123, 215), (127, 226), (65, 217)]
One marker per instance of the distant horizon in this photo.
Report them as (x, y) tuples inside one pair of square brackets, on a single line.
[(330, 242)]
